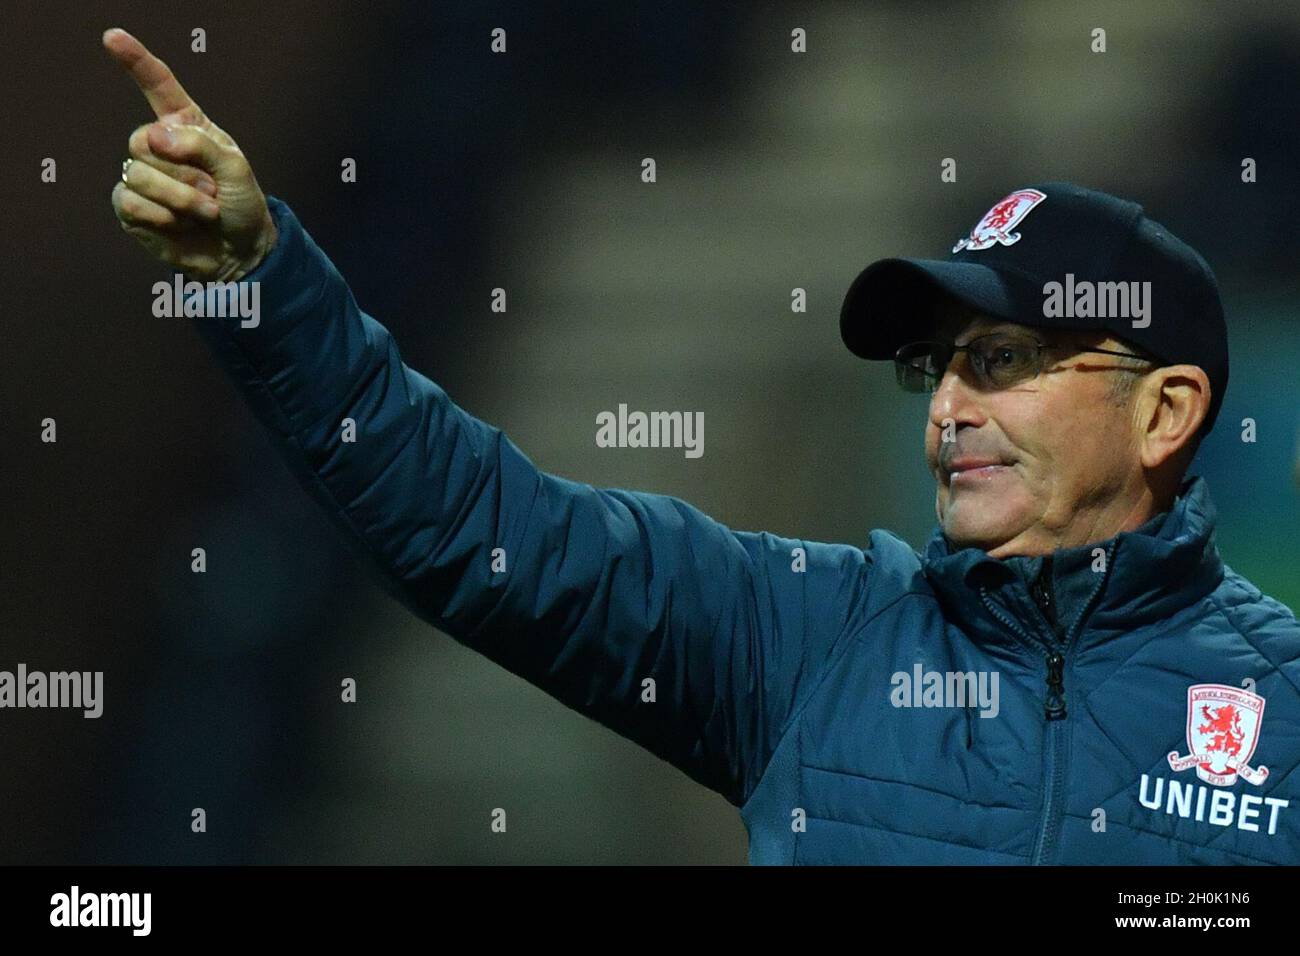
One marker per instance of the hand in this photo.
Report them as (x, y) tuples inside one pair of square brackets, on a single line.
[(190, 197)]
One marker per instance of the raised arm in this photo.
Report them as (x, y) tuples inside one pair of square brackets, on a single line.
[(586, 593)]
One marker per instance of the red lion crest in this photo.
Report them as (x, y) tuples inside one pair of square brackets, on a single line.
[(1222, 731), (1223, 726)]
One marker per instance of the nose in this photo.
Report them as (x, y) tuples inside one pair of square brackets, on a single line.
[(956, 398)]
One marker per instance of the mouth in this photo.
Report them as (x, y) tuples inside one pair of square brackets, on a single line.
[(973, 471)]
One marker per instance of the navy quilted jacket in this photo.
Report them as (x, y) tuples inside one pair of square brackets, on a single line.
[(1133, 702)]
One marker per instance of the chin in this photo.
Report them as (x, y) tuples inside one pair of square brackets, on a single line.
[(987, 516), (986, 531), (963, 538)]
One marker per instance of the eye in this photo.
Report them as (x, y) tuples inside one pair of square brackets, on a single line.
[(1007, 361), (1004, 356)]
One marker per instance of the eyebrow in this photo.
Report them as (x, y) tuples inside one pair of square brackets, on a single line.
[(985, 330)]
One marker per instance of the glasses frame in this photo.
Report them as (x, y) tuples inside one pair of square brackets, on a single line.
[(947, 351)]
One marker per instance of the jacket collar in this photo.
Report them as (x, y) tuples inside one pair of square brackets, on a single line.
[(1101, 590)]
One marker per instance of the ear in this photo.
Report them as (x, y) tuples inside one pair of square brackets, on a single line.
[(1174, 401)]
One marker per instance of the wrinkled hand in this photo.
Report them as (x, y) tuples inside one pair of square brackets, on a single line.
[(190, 196)]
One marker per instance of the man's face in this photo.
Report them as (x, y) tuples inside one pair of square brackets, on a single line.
[(1047, 463)]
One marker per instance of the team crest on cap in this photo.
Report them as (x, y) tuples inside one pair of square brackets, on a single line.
[(998, 222), (1222, 731)]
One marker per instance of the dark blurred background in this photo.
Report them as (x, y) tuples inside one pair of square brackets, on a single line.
[(775, 170)]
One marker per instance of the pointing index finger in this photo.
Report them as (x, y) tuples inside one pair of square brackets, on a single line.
[(163, 91)]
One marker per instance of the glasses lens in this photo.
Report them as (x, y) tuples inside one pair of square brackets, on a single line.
[(1005, 360), (919, 366)]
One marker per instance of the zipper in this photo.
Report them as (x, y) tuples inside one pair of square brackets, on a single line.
[(1054, 738), (1054, 707), (1042, 593), (1038, 645)]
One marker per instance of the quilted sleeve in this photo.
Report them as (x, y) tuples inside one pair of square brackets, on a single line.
[(636, 609)]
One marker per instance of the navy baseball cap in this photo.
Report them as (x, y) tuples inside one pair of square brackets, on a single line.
[(1092, 245)]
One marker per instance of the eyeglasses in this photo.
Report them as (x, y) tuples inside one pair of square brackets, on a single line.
[(999, 360)]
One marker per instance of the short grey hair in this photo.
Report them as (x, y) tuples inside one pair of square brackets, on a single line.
[(1125, 379)]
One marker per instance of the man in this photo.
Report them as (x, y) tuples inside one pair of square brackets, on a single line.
[(1067, 674)]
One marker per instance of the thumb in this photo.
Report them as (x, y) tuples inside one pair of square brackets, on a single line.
[(193, 146)]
